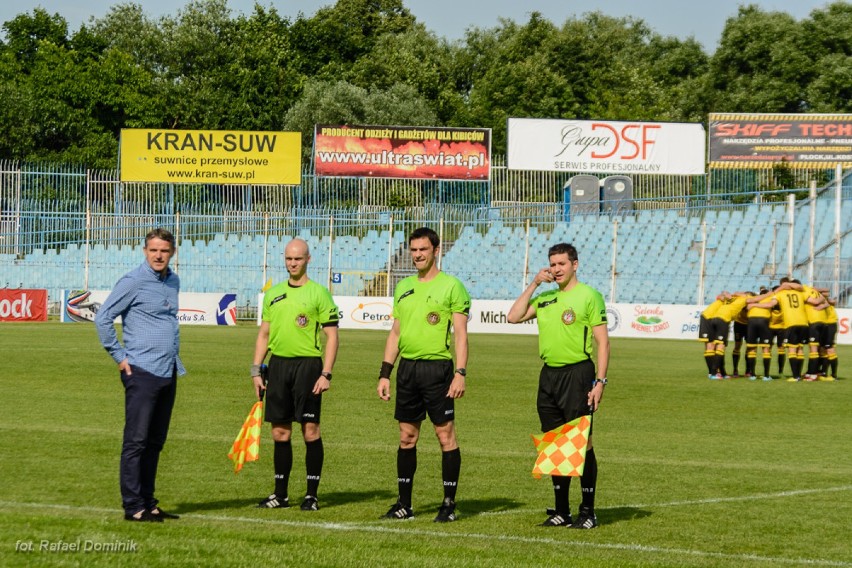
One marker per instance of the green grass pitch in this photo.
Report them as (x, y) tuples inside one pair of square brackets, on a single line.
[(692, 472)]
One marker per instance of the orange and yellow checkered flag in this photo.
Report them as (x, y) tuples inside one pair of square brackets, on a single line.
[(247, 444), (562, 451)]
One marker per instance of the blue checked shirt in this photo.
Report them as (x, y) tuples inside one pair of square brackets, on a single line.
[(148, 306)]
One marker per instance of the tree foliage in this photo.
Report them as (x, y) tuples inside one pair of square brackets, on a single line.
[(66, 95)]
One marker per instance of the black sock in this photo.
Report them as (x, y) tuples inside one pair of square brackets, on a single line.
[(283, 462), (736, 359), (710, 359), (766, 362), (450, 468), (588, 481), (314, 455), (832, 362), (406, 466), (781, 359), (560, 492), (813, 364), (796, 366)]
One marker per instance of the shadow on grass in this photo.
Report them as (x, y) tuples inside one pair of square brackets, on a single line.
[(471, 507), (331, 499), (618, 514)]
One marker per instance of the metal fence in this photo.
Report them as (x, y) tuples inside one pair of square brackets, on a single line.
[(86, 226)]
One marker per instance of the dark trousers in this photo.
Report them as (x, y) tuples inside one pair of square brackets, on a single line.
[(148, 402)]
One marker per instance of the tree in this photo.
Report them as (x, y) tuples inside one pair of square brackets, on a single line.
[(26, 34), (340, 102), (760, 64), (337, 36)]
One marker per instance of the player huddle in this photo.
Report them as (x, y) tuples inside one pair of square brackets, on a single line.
[(793, 316)]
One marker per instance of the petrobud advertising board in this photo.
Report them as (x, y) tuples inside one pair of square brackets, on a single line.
[(661, 321), (195, 308)]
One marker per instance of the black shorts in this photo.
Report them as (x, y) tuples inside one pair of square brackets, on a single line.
[(289, 392), (777, 335), (703, 329), (758, 332), (563, 393), (719, 330), (818, 335), (740, 330), (421, 388), (831, 332), (796, 336)]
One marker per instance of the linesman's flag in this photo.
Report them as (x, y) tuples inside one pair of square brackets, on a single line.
[(562, 451), (247, 444)]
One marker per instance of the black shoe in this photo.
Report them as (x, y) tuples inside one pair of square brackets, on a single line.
[(309, 504), (447, 512), (557, 520), (158, 512), (586, 520), (145, 517), (399, 512), (273, 502)]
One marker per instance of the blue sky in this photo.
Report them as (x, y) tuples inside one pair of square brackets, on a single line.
[(450, 18)]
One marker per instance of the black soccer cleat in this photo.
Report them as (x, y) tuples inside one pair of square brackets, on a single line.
[(557, 520), (309, 504), (586, 520), (274, 502), (399, 512), (447, 512)]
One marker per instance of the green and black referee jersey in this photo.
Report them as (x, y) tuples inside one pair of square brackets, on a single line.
[(425, 313), (565, 322), (296, 315)]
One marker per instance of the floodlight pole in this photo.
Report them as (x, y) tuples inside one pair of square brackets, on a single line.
[(838, 204), (88, 229), (526, 256), (791, 217), (811, 233)]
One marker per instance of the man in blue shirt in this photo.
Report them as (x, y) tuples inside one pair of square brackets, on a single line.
[(146, 299)]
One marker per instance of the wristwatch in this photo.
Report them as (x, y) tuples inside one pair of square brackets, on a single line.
[(326, 374), (462, 371), (601, 381)]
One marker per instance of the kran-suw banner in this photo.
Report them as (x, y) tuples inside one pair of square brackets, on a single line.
[(247, 445), (562, 451)]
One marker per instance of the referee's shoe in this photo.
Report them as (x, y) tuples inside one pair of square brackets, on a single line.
[(447, 512), (585, 520)]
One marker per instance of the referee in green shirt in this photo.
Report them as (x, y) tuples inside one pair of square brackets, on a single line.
[(569, 319), (294, 314), (426, 308)]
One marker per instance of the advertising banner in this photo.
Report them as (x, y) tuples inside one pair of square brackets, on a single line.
[(195, 308), (647, 321), (407, 152), (601, 146), (23, 304), (763, 140), (210, 156)]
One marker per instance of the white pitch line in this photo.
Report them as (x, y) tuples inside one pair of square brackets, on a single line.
[(407, 529), (756, 497)]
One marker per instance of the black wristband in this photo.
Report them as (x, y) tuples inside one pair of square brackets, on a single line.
[(385, 373)]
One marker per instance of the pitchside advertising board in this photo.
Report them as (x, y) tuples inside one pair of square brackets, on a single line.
[(195, 308), (210, 156), (23, 304), (603, 146), (406, 152), (490, 316), (747, 140)]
